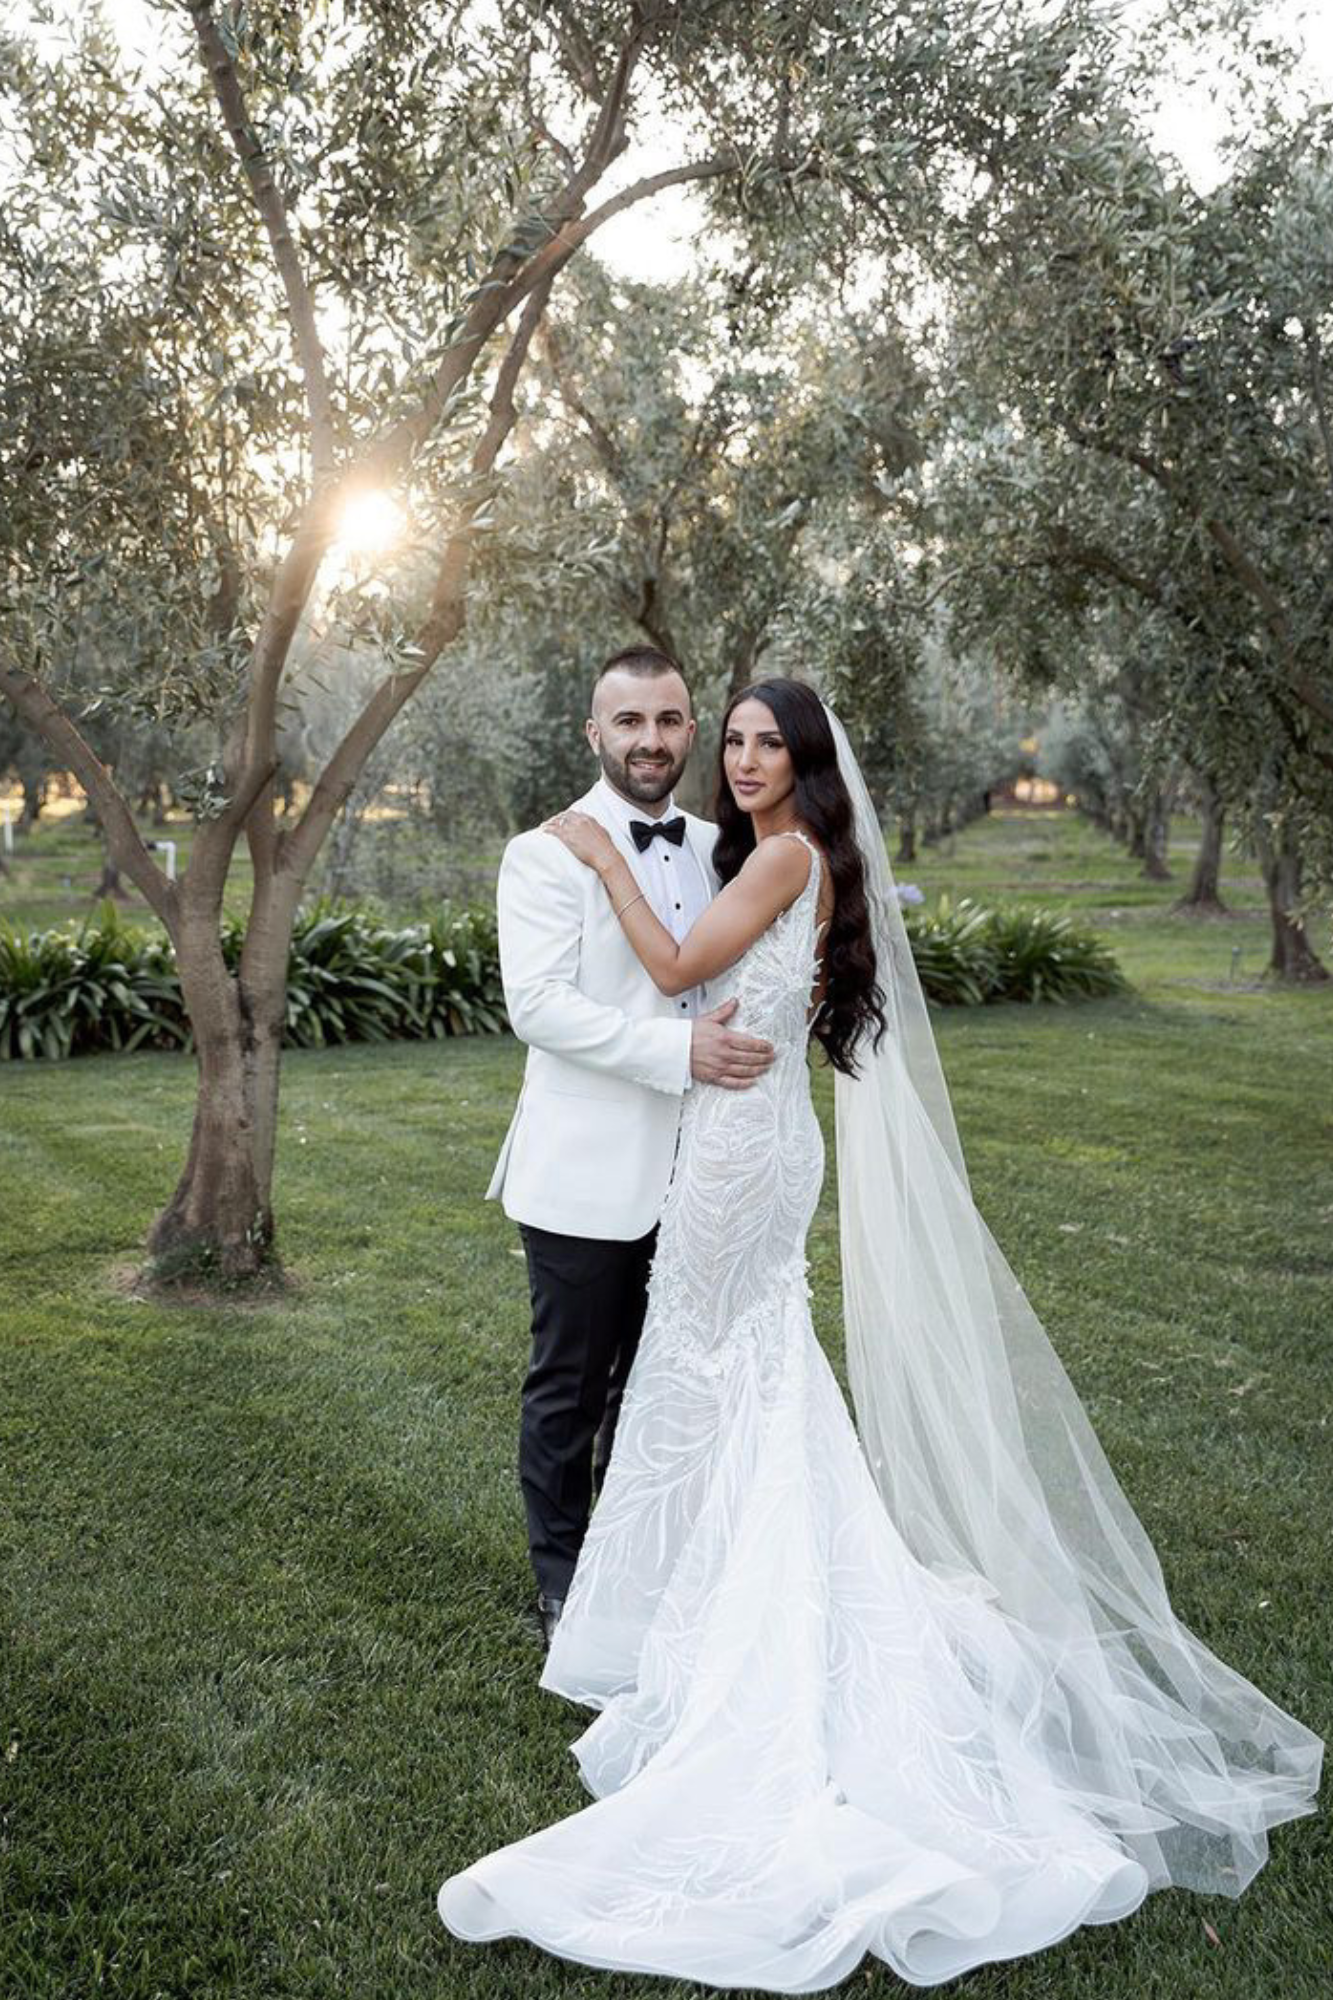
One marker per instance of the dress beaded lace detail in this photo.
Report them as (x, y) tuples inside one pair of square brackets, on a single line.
[(797, 1758)]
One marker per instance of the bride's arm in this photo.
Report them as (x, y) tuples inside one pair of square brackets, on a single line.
[(772, 878)]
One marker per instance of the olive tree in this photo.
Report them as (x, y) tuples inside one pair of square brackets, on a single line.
[(1143, 432), (307, 259)]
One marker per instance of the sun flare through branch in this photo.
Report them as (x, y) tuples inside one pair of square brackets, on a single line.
[(371, 521)]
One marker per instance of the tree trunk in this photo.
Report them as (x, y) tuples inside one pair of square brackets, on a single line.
[(1293, 958), (110, 884), (263, 982), (1156, 832), (906, 836), (220, 1215), (34, 798), (341, 845), (1136, 835), (746, 654), (1203, 897), (219, 1221)]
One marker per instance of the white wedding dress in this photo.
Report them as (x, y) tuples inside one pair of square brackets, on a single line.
[(807, 1747)]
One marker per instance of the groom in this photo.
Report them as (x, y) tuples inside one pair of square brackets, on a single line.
[(585, 1165)]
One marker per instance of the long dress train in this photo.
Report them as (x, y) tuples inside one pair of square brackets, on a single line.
[(808, 1746)]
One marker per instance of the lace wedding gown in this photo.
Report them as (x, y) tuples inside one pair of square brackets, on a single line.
[(802, 1753)]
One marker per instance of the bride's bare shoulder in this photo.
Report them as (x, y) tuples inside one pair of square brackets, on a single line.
[(806, 844), (780, 858)]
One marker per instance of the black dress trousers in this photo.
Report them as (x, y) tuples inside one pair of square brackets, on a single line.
[(588, 1304)]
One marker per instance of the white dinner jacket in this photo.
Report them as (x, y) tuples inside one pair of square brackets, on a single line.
[(590, 1147)]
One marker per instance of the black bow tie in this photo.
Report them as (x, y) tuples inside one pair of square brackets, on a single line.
[(645, 831)]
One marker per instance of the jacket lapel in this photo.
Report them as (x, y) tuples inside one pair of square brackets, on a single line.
[(593, 804)]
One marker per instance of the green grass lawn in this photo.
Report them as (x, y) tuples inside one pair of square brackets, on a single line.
[(402, 864), (267, 1673), (56, 866)]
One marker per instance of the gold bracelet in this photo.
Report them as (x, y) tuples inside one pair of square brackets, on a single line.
[(630, 905)]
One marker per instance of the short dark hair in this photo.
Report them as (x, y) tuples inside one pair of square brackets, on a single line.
[(645, 660)]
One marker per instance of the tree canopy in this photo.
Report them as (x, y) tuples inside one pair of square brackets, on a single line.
[(969, 380)]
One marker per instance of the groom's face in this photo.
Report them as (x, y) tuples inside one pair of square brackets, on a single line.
[(641, 729)]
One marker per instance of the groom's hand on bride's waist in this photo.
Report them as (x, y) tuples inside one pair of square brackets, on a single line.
[(719, 1055)]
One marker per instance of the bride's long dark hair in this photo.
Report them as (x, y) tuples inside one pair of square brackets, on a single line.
[(853, 1000)]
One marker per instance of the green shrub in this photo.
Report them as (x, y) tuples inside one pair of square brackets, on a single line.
[(952, 951), (105, 988), (1041, 955), (967, 955), (348, 981), (464, 994), (352, 978)]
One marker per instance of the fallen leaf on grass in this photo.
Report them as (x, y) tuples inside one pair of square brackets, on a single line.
[(1210, 1933)]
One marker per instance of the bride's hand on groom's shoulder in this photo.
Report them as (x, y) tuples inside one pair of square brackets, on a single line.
[(585, 837)]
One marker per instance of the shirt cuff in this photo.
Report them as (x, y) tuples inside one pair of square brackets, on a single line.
[(686, 1079)]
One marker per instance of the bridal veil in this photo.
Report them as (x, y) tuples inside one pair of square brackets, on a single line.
[(993, 1475)]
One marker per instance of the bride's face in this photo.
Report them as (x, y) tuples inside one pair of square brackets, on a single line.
[(756, 760)]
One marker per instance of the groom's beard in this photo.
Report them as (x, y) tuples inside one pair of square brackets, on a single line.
[(647, 780)]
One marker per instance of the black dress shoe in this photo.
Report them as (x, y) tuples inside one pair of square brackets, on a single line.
[(548, 1611)]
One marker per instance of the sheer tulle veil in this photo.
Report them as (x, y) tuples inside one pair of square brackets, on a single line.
[(992, 1473)]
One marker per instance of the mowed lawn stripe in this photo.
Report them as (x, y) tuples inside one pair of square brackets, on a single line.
[(267, 1669)]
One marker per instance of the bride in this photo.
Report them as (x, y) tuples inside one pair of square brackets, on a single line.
[(918, 1692)]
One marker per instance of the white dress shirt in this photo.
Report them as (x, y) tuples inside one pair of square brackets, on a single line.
[(676, 890)]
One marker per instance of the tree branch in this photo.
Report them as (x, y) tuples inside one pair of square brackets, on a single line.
[(1127, 454), (578, 57), (515, 271), (1241, 565), (516, 274), (1252, 580), (36, 707), (711, 427), (215, 839), (272, 206), (538, 124), (604, 444), (510, 280), (503, 409), (641, 594), (443, 623), (1313, 354), (1067, 548), (492, 303), (575, 233)]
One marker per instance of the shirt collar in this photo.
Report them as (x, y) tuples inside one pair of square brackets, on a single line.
[(625, 810)]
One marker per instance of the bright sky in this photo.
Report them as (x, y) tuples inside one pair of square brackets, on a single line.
[(654, 242)]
